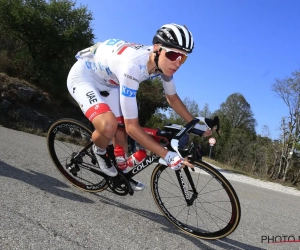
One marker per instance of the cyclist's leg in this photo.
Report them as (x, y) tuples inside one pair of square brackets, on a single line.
[(106, 126), (94, 106), (83, 89), (113, 101)]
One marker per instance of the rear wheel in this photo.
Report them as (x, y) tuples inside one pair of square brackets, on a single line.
[(66, 139), (215, 211)]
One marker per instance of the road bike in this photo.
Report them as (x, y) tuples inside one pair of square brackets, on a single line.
[(199, 201)]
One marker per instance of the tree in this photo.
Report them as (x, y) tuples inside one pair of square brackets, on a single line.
[(13, 54), (205, 112), (150, 98), (237, 129), (51, 32), (158, 120), (238, 112), (288, 89), (191, 106)]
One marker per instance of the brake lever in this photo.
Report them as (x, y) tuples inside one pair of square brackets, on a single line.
[(211, 123), (216, 122)]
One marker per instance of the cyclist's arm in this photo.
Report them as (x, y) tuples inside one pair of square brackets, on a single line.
[(176, 103), (129, 82), (174, 100), (137, 133), (178, 106)]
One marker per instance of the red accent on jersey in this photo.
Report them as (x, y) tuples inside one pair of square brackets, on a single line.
[(122, 50), (113, 82), (97, 109)]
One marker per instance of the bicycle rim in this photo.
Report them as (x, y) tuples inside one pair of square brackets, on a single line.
[(67, 137), (214, 214)]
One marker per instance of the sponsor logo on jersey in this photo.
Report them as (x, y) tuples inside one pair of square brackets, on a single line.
[(91, 96), (137, 46), (106, 68), (91, 65), (131, 77), (130, 45), (112, 42), (128, 92)]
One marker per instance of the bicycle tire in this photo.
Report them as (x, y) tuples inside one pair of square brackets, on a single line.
[(66, 137), (210, 216)]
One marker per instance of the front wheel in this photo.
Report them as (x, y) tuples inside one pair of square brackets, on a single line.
[(69, 144), (205, 206)]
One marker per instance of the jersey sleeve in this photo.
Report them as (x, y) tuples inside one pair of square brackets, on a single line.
[(168, 84), (128, 77)]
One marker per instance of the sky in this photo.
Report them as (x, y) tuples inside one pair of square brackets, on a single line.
[(241, 46)]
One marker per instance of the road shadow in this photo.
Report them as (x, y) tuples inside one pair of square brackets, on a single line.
[(224, 243), (41, 181)]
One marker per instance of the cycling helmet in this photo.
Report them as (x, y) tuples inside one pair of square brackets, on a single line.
[(174, 36)]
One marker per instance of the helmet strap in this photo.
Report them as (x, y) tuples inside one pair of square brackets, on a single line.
[(157, 53)]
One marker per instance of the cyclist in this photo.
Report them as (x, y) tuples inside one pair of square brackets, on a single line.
[(116, 68)]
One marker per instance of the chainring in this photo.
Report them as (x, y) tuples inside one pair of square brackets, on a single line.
[(120, 185)]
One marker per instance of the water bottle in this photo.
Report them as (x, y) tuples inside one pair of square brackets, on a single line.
[(136, 158), (120, 157)]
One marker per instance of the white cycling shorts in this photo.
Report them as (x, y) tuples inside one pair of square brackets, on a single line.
[(86, 91)]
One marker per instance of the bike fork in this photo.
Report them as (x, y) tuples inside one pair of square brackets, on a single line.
[(184, 186)]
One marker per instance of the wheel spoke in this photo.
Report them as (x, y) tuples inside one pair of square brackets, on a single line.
[(215, 210), (66, 138)]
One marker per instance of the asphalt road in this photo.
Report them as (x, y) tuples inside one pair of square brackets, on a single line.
[(40, 210)]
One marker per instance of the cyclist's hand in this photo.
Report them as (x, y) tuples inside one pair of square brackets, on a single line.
[(207, 133), (175, 162), (186, 163)]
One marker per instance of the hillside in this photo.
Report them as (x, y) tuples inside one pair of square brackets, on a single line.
[(25, 107)]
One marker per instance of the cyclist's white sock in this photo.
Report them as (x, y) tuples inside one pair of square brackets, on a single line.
[(100, 151)]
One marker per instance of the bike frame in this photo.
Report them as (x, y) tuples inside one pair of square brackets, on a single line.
[(155, 158), (147, 162)]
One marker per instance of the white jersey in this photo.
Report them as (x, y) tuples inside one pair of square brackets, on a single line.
[(119, 64)]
